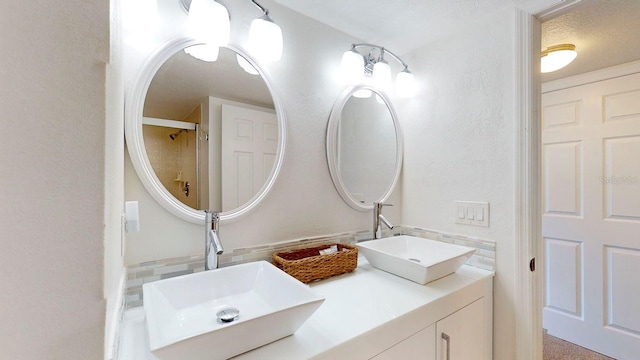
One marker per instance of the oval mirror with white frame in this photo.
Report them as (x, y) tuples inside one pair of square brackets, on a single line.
[(205, 135), (364, 147)]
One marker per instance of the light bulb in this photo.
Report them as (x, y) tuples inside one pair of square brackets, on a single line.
[(265, 39), (204, 52), (405, 84), (382, 75), (245, 65), (352, 66), (208, 22)]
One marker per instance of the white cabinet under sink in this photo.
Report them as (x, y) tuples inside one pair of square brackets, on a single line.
[(421, 345), (459, 336)]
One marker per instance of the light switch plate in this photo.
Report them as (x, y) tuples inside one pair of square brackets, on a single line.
[(474, 213)]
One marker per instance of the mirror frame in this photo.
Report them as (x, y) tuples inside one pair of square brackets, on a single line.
[(332, 142), (135, 141)]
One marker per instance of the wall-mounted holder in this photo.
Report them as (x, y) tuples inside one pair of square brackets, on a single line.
[(185, 189), (132, 217)]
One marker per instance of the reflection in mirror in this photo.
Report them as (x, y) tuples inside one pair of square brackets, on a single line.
[(364, 147), (210, 130)]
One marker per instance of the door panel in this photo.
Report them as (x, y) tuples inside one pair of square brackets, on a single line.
[(591, 219), (623, 300), (565, 259), (563, 178), (249, 146)]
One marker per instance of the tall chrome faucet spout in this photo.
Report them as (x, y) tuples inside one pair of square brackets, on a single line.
[(385, 221), (378, 217), (213, 246)]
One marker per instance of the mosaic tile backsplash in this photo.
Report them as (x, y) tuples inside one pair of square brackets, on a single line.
[(137, 275)]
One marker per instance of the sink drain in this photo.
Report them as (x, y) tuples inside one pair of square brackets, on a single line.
[(228, 315), (414, 260)]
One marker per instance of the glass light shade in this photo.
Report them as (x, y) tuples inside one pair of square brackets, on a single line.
[(382, 75), (352, 66), (208, 21), (265, 39), (245, 65), (204, 52), (362, 93), (556, 57), (405, 84)]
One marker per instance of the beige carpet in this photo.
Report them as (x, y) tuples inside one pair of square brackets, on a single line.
[(558, 349)]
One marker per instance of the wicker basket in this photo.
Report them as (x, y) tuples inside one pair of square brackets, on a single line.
[(308, 265)]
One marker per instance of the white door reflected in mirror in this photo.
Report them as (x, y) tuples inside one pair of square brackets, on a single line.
[(178, 157)]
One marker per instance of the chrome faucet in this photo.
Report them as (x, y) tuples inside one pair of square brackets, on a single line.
[(378, 218), (213, 246)]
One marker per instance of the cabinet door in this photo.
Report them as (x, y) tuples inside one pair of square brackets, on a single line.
[(419, 346), (460, 336)]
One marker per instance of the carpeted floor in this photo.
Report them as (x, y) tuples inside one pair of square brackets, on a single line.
[(558, 349)]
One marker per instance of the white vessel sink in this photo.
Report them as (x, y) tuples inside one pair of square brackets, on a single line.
[(417, 259), (181, 312)]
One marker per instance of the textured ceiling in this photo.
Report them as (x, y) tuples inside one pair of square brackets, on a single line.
[(183, 81), (400, 25), (605, 33)]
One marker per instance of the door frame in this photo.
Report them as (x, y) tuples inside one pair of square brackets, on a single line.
[(528, 195)]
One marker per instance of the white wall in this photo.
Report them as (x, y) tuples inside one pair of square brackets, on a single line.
[(52, 217), (459, 140), (303, 201)]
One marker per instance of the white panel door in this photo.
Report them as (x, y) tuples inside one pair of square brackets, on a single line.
[(591, 220), (249, 145)]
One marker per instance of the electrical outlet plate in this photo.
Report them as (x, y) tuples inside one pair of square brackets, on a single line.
[(471, 213)]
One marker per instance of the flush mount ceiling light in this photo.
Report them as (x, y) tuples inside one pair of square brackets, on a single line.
[(556, 57), (356, 67), (265, 37)]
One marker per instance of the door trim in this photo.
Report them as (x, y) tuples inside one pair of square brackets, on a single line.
[(613, 72), (527, 202), (528, 198)]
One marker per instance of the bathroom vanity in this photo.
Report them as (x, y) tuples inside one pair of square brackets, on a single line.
[(372, 314)]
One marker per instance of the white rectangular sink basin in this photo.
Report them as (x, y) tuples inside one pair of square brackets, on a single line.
[(417, 259), (181, 312)]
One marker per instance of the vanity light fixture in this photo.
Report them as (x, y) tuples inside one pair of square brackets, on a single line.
[(265, 37), (208, 22), (358, 68), (556, 57)]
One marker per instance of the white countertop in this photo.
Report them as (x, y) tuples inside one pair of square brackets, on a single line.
[(356, 306)]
